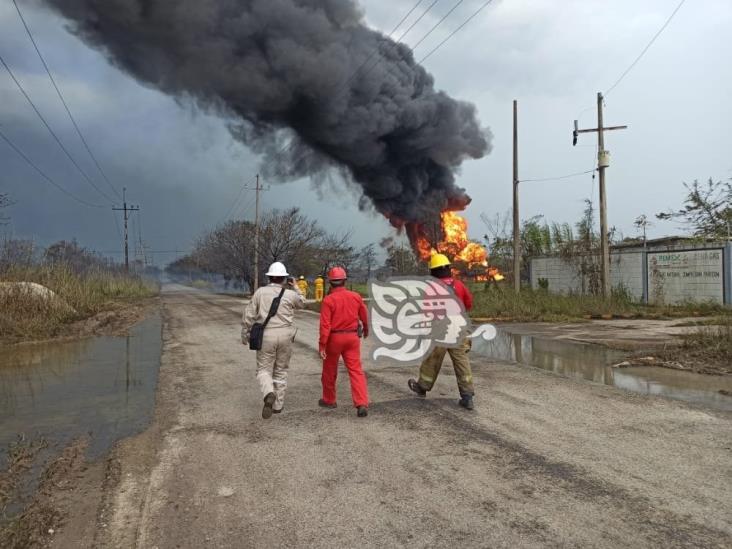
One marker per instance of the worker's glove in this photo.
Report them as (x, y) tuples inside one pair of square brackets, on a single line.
[(365, 332)]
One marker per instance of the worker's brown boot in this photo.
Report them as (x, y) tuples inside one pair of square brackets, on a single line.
[(268, 402), (417, 388)]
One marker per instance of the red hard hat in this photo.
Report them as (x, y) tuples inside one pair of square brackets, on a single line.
[(337, 273)]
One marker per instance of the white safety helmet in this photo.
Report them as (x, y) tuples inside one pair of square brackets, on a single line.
[(277, 269)]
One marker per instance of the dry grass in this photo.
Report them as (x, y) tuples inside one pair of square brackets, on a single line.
[(24, 316), (712, 343)]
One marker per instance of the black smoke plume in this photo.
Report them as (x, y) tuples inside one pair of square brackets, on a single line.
[(350, 97)]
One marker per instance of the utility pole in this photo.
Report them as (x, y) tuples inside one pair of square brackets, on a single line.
[(516, 227), (603, 161), (127, 210), (257, 189)]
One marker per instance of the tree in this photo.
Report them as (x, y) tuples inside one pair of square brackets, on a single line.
[(290, 237), (71, 254), (707, 209), (227, 250), (367, 259), (402, 260), (333, 249)]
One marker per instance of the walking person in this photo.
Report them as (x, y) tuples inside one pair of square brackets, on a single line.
[(269, 318), (343, 318), (430, 368), (303, 285), (319, 288)]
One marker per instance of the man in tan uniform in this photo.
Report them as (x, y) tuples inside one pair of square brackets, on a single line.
[(273, 358)]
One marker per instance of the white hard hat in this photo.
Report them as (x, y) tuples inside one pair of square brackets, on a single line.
[(277, 269)]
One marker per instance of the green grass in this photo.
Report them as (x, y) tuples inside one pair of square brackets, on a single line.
[(24, 316), (538, 305)]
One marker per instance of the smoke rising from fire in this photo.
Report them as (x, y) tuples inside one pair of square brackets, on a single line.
[(274, 65)]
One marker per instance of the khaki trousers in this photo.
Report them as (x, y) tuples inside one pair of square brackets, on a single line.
[(430, 368), (273, 359)]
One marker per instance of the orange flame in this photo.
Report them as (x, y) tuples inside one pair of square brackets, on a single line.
[(457, 246)]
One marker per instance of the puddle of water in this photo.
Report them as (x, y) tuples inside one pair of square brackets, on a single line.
[(593, 363), (103, 387)]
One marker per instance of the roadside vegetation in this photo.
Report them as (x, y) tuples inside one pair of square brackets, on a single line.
[(83, 285), (502, 303)]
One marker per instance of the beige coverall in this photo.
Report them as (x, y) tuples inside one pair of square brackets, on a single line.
[(274, 357)]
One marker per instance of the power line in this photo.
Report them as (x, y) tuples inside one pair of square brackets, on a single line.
[(343, 87), (63, 101), (633, 64), (437, 24), (48, 127), (46, 177), (567, 176), (354, 73), (393, 45), (476, 12)]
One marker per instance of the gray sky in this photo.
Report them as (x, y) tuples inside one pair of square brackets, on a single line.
[(185, 171)]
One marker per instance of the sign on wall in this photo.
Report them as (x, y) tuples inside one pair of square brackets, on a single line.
[(695, 275)]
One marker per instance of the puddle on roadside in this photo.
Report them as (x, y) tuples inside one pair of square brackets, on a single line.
[(103, 387), (594, 363)]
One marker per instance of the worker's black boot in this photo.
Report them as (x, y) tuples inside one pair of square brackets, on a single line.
[(362, 411), (417, 388), (324, 404), (268, 402), (466, 401)]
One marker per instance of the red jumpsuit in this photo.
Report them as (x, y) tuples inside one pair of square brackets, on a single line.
[(340, 313)]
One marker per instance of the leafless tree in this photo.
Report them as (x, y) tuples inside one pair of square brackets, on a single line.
[(367, 259), (228, 251)]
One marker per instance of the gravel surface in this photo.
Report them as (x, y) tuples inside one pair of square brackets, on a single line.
[(542, 461)]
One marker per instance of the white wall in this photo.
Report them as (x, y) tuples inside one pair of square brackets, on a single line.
[(626, 268), (675, 276)]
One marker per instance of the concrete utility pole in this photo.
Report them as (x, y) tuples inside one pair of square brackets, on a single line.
[(127, 210), (257, 189), (516, 227), (603, 161)]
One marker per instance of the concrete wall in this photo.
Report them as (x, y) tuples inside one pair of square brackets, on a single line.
[(670, 274), (675, 276)]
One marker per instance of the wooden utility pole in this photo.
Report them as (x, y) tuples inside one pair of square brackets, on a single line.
[(516, 226), (127, 210), (603, 161)]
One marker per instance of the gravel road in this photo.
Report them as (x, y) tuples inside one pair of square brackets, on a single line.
[(543, 461)]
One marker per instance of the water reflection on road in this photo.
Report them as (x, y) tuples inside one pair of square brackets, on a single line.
[(594, 363), (102, 386)]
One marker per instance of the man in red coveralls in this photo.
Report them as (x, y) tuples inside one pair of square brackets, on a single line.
[(340, 314)]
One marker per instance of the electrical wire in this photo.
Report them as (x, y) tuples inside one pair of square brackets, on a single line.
[(476, 12), (43, 174), (642, 53), (63, 101), (343, 87), (393, 45), (437, 24), (354, 73), (50, 130), (567, 176)]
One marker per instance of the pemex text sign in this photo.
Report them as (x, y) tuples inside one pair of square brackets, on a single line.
[(692, 275)]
